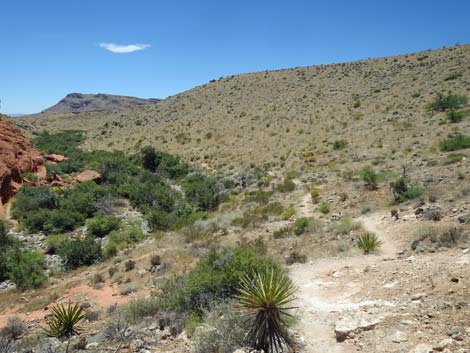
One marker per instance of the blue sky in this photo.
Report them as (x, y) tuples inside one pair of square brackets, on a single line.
[(53, 47)]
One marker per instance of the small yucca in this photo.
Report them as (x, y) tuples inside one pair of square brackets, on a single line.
[(266, 296), (368, 242), (62, 323)]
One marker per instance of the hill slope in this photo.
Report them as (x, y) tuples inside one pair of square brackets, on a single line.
[(78, 102), (290, 116)]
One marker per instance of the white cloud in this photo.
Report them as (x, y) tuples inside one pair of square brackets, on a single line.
[(122, 49)]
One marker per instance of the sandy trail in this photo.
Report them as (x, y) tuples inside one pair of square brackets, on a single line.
[(326, 288)]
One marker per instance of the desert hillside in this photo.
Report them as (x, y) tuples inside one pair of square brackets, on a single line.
[(290, 117)]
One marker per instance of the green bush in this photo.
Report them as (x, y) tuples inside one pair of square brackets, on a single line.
[(301, 225), (324, 208), (83, 198), (403, 190), (455, 117), (26, 269), (315, 195), (110, 250), (287, 185), (53, 221), (65, 142), (80, 252), (340, 144), (455, 143), (202, 191), (215, 278), (449, 102), (8, 244), (100, 226), (288, 213), (33, 198), (163, 163), (370, 177), (159, 220), (307, 224)]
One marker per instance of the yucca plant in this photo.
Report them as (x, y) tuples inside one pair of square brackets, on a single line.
[(267, 296), (368, 242), (62, 323)]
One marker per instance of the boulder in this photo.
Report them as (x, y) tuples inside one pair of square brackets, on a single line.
[(55, 158), (88, 175), (347, 327)]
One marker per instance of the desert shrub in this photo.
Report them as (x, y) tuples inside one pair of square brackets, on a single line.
[(148, 193), (142, 307), (368, 242), (128, 288), (80, 252), (216, 277), (295, 257), (65, 142), (402, 190), (163, 163), (260, 196), (288, 213), (287, 185), (370, 177), (345, 226), (315, 195), (271, 209), (83, 198), (302, 225), (231, 327), (129, 265), (33, 198), (340, 144), (52, 221), (155, 260), (324, 208), (449, 237), (250, 218), (282, 232), (8, 245), (158, 220), (13, 329), (458, 142), (454, 158), (449, 102), (100, 226), (110, 250), (26, 269), (455, 117), (202, 191), (129, 235)]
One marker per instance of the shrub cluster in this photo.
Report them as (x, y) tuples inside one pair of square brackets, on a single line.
[(458, 142), (449, 102)]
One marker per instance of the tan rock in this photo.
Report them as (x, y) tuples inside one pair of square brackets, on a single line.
[(88, 175)]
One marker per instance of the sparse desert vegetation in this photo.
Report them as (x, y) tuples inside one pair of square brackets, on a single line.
[(238, 215)]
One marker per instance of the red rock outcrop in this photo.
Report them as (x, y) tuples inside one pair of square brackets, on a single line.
[(17, 156)]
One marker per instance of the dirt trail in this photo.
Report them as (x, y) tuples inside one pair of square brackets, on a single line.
[(326, 288)]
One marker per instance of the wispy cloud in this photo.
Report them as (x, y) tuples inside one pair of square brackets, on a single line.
[(123, 49)]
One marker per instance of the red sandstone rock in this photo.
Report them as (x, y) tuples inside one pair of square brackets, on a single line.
[(17, 156), (55, 158)]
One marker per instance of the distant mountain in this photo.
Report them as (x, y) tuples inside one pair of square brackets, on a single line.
[(78, 102)]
